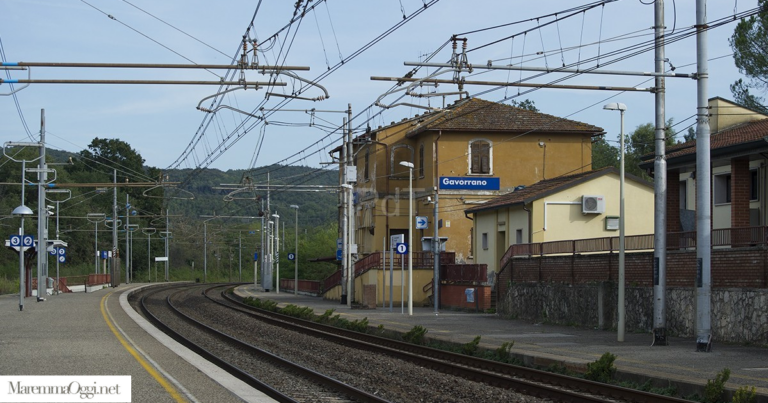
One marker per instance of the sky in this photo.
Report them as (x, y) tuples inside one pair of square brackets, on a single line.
[(162, 123)]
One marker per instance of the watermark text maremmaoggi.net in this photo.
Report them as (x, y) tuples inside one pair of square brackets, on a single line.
[(62, 388)]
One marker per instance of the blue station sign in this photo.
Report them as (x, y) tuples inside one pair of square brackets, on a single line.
[(469, 183)]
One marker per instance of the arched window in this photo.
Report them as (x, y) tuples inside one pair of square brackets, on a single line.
[(400, 152), (480, 157)]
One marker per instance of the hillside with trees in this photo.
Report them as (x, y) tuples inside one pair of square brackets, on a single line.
[(89, 175)]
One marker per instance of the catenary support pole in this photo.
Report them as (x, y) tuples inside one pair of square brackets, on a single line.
[(660, 186), (703, 188), (42, 216)]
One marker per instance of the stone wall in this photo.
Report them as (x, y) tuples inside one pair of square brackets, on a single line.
[(738, 315)]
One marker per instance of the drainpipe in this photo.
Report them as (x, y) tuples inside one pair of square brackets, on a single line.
[(436, 239), (530, 223), (386, 188)]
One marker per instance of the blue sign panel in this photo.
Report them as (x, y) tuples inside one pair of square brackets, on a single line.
[(401, 249), (469, 183), (105, 254), (339, 254), (291, 256), (255, 256)]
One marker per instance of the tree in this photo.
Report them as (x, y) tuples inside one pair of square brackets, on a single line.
[(526, 104), (640, 143), (604, 154), (750, 54), (690, 136)]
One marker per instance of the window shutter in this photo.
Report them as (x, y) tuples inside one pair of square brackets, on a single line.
[(475, 158), (485, 158)]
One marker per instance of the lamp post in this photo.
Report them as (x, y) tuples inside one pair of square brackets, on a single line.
[(69, 196), (277, 252), (129, 230), (615, 106), (22, 211), (296, 254), (166, 235), (409, 165), (96, 218), (148, 232)]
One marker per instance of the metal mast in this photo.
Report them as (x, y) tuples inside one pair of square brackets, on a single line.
[(660, 187), (703, 188)]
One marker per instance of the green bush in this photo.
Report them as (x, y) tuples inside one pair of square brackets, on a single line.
[(471, 347), (601, 370), (415, 335), (502, 353), (745, 394), (304, 312), (266, 304), (713, 390)]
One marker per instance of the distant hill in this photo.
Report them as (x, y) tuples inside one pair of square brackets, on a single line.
[(316, 208)]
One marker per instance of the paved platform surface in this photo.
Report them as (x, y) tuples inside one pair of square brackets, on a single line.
[(543, 344), (99, 334)]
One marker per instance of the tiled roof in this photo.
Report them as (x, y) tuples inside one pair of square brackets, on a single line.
[(476, 114), (737, 135), (545, 188)]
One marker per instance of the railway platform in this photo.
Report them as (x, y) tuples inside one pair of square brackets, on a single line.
[(542, 345), (98, 333)]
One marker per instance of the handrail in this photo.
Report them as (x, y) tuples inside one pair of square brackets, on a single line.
[(722, 237)]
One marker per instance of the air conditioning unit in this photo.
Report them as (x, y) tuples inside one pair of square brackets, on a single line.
[(592, 204)]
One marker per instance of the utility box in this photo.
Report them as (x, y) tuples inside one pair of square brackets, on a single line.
[(426, 243)]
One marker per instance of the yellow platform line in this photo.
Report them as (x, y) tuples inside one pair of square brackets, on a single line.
[(147, 367)]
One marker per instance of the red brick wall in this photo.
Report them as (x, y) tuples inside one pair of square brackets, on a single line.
[(740, 268), (740, 180), (673, 201), (452, 296)]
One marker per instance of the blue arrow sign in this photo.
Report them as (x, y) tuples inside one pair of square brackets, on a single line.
[(401, 249), (421, 222)]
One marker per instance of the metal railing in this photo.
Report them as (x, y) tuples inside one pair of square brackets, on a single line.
[(721, 238)]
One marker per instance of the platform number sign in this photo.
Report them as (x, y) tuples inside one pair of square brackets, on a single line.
[(291, 256), (62, 254), (21, 241), (401, 248)]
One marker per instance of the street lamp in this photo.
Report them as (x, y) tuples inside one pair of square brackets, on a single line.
[(615, 106), (166, 235), (277, 252), (129, 230), (409, 165), (296, 254), (148, 232), (22, 211), (69, 196), (96, 218)]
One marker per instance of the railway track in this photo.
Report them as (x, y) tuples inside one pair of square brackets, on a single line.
[(306, 385), (528, 384)]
